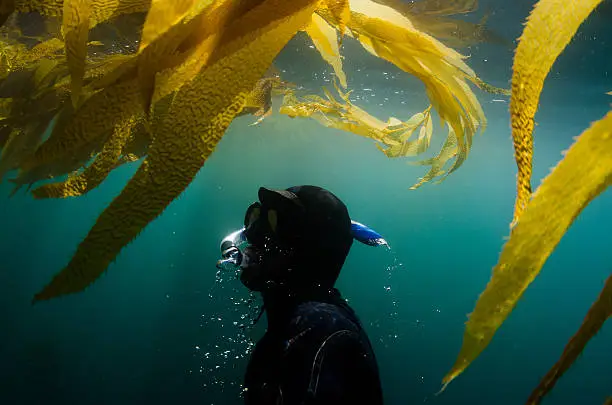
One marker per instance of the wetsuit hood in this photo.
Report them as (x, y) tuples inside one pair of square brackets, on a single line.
[(322, 224)]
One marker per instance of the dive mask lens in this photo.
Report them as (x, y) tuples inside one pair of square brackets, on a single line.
[(252, 214), (260, 224)]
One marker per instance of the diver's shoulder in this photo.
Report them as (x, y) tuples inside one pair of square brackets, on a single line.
[(326, 315)]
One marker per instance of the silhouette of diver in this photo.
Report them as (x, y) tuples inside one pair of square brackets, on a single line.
[(315, 350)]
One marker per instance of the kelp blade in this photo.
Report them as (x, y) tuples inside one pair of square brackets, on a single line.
[(198, 117), (338, 10), (389, 35), (95, 173), (599, 312), (437, 163), (351, 118), (101, 10), (325, 39), (550, 27), (162, 16), (584, 173), (93, 121), (76, 32)]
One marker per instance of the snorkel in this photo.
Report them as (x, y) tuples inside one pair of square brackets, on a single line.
[(232, 246)]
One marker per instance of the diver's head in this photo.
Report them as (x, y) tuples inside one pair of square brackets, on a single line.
[(298, 240)]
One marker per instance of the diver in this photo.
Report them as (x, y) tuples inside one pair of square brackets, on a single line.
[(315, 350)]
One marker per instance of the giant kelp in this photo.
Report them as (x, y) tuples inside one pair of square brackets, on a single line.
[(599, 312), (394, 137), (583, 174), (185, 138), (532, 63), (389, 35), (325, 39), (109, 108), (199, 64), (348, 117), (541, 220)]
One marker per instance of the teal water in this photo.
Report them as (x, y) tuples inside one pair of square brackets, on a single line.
[(158, 327)]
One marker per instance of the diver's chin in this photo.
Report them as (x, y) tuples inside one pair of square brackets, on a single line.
[(250, 280)]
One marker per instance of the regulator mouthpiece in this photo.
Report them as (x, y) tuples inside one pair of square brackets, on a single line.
[(230, 252)]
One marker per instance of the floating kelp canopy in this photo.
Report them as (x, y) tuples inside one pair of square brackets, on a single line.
[(166, 100)]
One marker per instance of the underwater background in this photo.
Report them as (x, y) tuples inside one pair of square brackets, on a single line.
[(162, 326)]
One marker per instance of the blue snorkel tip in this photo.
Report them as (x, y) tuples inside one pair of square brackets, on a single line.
[(367, 235)]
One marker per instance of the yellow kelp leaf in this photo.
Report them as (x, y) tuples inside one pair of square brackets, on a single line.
[(29, 117), (339, 11), (259, 100), (101, 10), (76, 31), (90, 124), (49, 8), (104, 10), (163, 32), (609, 93), (96, 172), (138, 142), (387, 34), (163, 15), (75, 160), (21, 144), (599, 312), (533, 60), (345, 116), (584, 173), (415, 121), (44, 49), (413, 148), (609, 401), (325, 39), (99, 69), (201, 24), (199, 115), (352, 118), (17, 56), (437, 163), (43, 70), (127, 158), (489, 88)]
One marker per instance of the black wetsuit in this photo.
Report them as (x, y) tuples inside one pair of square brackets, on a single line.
[(314, 352)]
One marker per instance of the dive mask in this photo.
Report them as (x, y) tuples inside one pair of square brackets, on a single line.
[(260, 228)]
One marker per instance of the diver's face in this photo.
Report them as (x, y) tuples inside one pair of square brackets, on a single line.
[(266, 260), (265, 266)]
